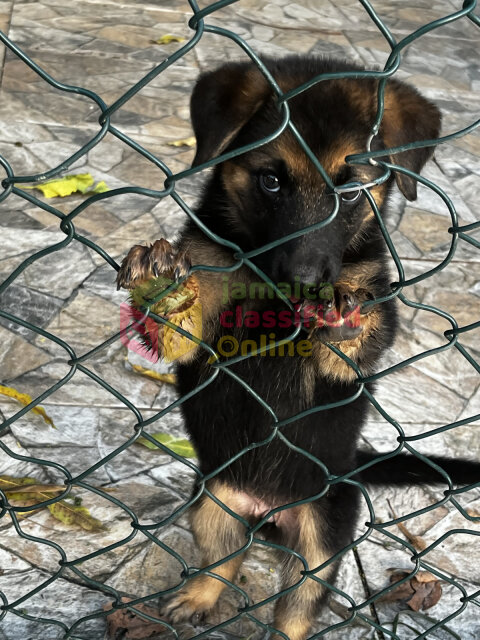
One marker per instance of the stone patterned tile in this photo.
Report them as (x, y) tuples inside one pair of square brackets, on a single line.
[(62, 597), (18, 356), (447, 372), (107, 47), (421, 234), (378, 559), (85, 321), (5, 16), (29, 305), (57, 274)]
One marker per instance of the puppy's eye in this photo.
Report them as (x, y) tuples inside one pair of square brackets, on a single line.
[(350, 197), (269, 182)]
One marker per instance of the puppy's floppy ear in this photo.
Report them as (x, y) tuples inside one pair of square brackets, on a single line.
[(222, 102), (408, 117)]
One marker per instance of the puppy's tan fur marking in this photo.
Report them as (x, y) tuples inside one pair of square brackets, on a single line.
[(218, 534), (354, 276), (295, 611), (236, 180), (334, 367)]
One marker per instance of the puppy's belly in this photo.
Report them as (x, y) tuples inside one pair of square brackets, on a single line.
[(251, 507)]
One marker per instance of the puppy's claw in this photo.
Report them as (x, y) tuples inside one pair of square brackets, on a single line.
[(198, 618), (349, 301), (329, 304), (363, 296), (183, 265), (184, 607)]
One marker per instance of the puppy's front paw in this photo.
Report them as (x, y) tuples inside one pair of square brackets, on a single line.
[(145, 262), (342, 314), (186, 607)]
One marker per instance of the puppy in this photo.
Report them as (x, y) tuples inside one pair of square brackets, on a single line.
[(289, 447)]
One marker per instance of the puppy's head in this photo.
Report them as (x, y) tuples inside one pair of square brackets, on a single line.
[(275, 190)]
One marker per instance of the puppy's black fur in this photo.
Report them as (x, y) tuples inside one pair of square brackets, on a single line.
[(253, 200)]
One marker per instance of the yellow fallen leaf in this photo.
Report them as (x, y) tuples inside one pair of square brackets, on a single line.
[(29, 493), (75, 183), (26, 490), (23, 515), (25, 399), (30, 489), (181, 446), (167, 39), (8, 483), (184, 142), (72, 514), (31, 498), (64, 186), (100, 187), (169, 378)]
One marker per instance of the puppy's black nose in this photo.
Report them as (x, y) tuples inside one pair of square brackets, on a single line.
[(315, 273), (309, 271)]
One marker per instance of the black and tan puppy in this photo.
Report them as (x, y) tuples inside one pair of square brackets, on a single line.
[(252, 200)]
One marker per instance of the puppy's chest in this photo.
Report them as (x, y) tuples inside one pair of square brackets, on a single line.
[(288, 384)]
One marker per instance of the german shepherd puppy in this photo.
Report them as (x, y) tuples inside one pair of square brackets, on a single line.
[(277, 453)]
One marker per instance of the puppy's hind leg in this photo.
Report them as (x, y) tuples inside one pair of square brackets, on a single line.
[(300, 529), (219, 535)]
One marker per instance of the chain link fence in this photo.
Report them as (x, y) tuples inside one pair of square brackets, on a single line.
[(78, 362)]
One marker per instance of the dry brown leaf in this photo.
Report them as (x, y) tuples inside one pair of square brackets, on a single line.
[(417, 541), (136, 628), (426, 576), (36, 488), (420, 592), (402, 592), (473, 513), (427, 594)]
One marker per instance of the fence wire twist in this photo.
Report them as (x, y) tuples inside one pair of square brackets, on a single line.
[(11, 189)]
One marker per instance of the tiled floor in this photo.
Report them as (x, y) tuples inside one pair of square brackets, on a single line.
[(107, 47)]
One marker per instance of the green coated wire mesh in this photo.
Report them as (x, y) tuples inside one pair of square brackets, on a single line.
[(358, 610)]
